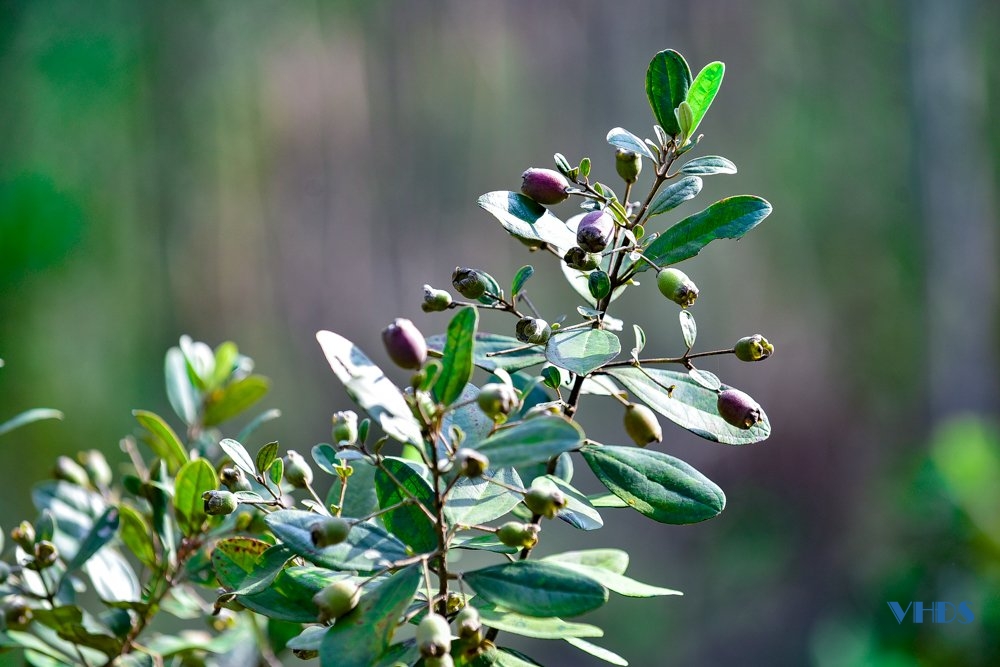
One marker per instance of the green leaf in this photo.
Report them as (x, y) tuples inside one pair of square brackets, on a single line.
[(101, 533), (703, 90), (456, 364), (640, 340), (688, 404), (361, 636), (409, 523), (675, 194), (536, 588), (265, 570), (585, 167), (135, 532), (708, 165), (239, 454), (360, 499), (606, 499), (528, 221), (667, 81), (615, 581), (267, 454), (520, 278), (597, 651), (367, 546), (235, 398), (599, 284), (502, 657), (706, 379), (489, 344), (194, 479), (729, 218), (609, 560), (689, 328), (275, 471), (112, 576), (533, 441), (582, 351), (470, 418), (529, 626), (226, 356), (621, 138), (659, 486), (163, 441), (27, 417), (482, 543), (578, 512), (479, 501), (369, 387)]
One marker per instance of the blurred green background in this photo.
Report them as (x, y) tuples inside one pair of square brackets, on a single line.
[(258, 170)]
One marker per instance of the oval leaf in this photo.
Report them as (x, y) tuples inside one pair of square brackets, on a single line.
[(408, 523), (582, 351), (667, 81), (239, 455), (659, 486), (520, 278), (162, 439), (710, 164), (267, 454), (479, 501), (528, 220), (366, 549), (456, 360), (533, 441), (703, 90), (535, 588), (621, 138), (689, 328), (578, 512), (194, 479), (235, 398), (27, 417), (487, 347), (675, 194), (529, 626)]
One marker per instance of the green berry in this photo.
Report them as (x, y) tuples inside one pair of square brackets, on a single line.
[(234, 479), (297, 471), (545, 186), (329, 531), (676, 286), (497, 400), (753, 348), (533, 330), (405, 344), (581, 260), (544, 498), (24, 536), (345, 427), (738, 409), (471, 463), (218, 503), (68, 470), (470, 283), (16, 613), (46, 554), (337, 599), (519, 535), (433, 635), (628, 165), (594, 231), (642, 425), (97, 468), (435, 300), (469, 625)]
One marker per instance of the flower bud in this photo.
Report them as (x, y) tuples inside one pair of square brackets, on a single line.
[(676, 286), (470, 283), (469, 625), (46, 554), (329, 531), (628, 165), (435, 300), (738, 409), (471, 463), (24, 536), (545, 186), (405, 344), (581, 260), (519, 535), (234, 479), (297, 471), (642, 425), (345, 427), (497, 400), (544, 498), (594, 231), (753, 348), (218, 503), (337, 599), (16, 613), (97, 468), (533, 330), (70, 471), (433, 636)]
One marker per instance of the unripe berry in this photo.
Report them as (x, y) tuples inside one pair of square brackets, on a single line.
[(533, 330), (218, 503), (470, 283), (97, 468), (642, 425), (433, 636), (519, 535), (70, 471), (581, 260), (435, 300), (738, 409), (329, 531), (628, 165), (297, 471), (594, 231), (544, 498), (345, 427), (545, 186), (471, 463), (753, 348), (16, 613), (497, 400), (24, 536), (46, 554), (337, 599), (469, 625), (676, 286), (405, 344), (234, 479)]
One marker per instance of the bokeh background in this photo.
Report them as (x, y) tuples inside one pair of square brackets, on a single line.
[(259, 170)]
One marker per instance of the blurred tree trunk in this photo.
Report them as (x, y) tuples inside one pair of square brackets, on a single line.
[(953, 173)]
